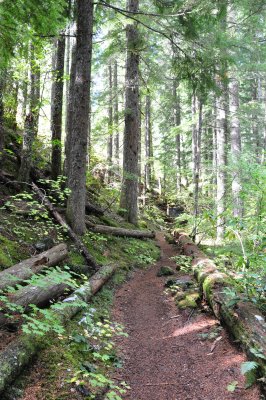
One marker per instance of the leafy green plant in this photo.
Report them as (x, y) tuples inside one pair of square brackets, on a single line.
[(249, 369), (232, 386), (184, 262), (95, 339)]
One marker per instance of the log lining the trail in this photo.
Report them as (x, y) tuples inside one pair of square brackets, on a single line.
[(244, 321), (19, 352), (122, 232), (25, 269)]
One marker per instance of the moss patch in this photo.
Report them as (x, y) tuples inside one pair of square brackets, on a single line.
[(190, 301)]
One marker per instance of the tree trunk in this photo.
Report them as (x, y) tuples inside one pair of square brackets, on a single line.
[(116, 116), (149, 168), (31, 122), (79, 244), (81, 106), (70, 110), (214, 148), (110, 125), (221, 127), (196, 154), (25, 269), (26, 154), (2, 132), (57, 108), (110, 230), (176, 123), (235, 147), (25, 347), (25, 95), (129, 194)]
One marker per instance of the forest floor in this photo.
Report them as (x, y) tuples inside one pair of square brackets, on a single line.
[(173, 354)]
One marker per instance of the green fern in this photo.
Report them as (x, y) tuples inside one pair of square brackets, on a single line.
[(249, 369)]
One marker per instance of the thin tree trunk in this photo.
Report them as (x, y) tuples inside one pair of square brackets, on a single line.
[(57, 108), (220, 199), (116, 116), (129, 194), (177, 122), (31, 122), (196, 151), (149, 168), (214, 147), (70, 110), (80, 124), (2, 131), (110, 124), (235, 147), (25, 95)]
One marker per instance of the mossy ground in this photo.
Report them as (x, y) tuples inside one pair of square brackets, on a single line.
[(59, 362)]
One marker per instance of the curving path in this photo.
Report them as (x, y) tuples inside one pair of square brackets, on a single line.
[(165, 356)]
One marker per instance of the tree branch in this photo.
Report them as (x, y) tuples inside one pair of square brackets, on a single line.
[(121, 10)]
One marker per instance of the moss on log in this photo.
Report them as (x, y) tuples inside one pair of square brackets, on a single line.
[(25, 269), (122, 232), (19, 352), (244, 321)]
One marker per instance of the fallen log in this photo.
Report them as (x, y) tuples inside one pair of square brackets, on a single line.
[(78, 242), (93, 209), (39, 294), (19, 352), (244, 321), (110, 230), (25, 269)]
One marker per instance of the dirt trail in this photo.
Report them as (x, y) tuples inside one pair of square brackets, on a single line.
[(164, 356)]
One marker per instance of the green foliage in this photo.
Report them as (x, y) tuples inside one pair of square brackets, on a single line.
[(141, 254), (95, 340), (231, 387), (249, 369), (183, 263)]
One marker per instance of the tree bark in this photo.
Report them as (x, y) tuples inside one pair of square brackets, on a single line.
[(235, 148), (110, 125), (19, 353), (25, 269), (196, 155), (129, 194), (221, 157), (149, 164), (57, 108), (2, 131), (70, 110), (79, 244), (110, 230), (80, 124), (176, 123), (116, 116), (26, 154), (31, 122)]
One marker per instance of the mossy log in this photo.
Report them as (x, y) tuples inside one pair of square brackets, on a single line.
[(19, 353), (78, 242), (25, 269), (39, 294), (110, 230), (244, 321)]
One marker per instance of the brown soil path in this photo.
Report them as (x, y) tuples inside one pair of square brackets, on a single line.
[(165, 358)]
